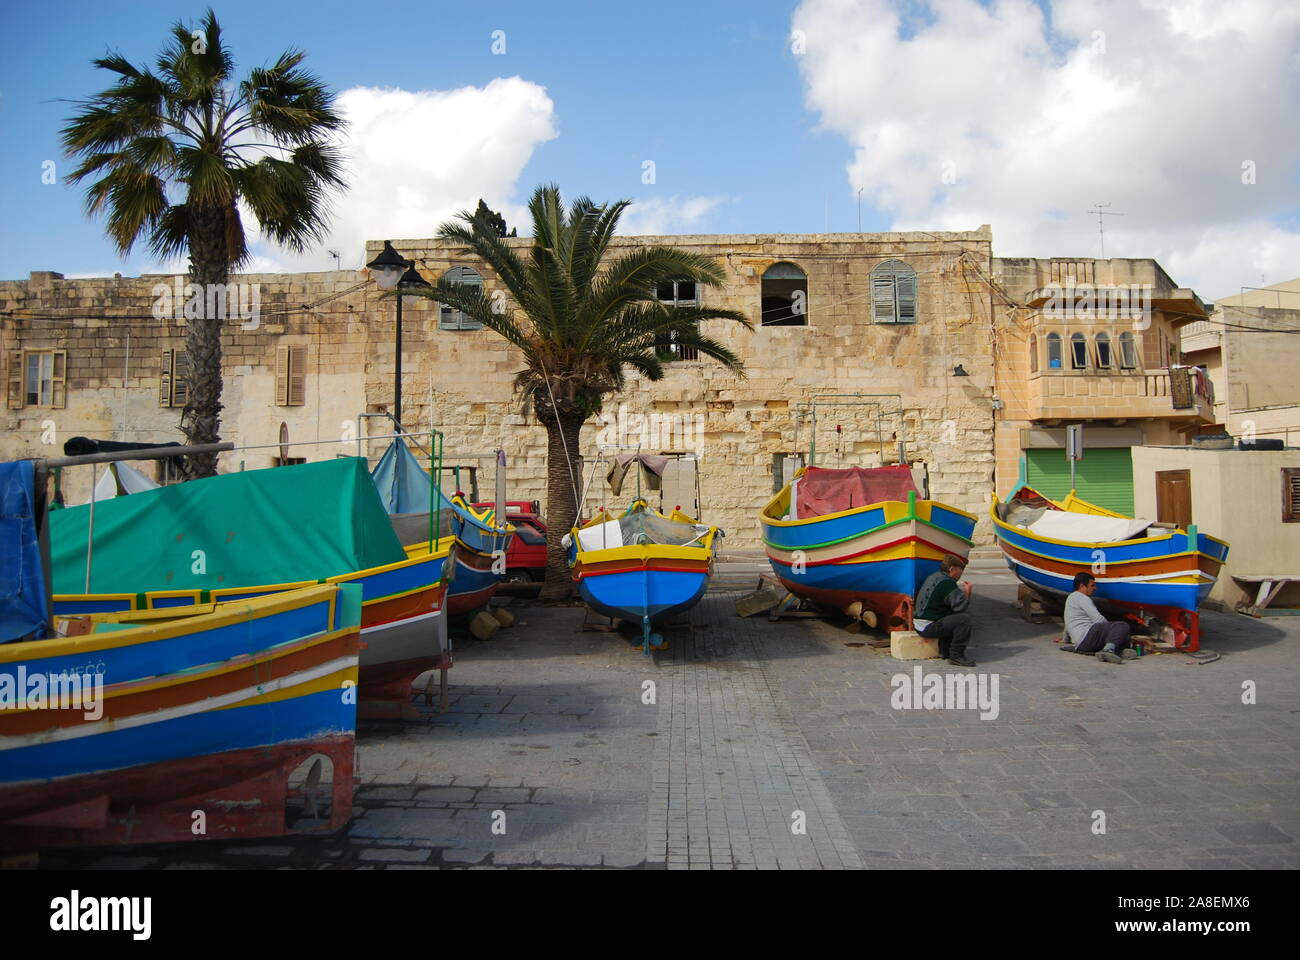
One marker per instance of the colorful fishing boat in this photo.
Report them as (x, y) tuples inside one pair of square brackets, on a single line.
[(166, 725), (164, 714), (478, 559), (860, 540), (249, 534), (642, 567), (1154, 569)]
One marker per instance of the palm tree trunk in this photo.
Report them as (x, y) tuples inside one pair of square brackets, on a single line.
[(201, 419), (563, 475)]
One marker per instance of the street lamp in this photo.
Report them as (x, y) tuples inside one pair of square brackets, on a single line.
[(393, 271)]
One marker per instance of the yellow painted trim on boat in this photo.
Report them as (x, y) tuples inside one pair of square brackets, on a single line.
[(1165, 534), (331, 681), (226, 615), (639, 551), (206, 671), (894, 510)]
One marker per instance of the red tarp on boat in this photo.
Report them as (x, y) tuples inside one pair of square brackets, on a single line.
[(829, 491)]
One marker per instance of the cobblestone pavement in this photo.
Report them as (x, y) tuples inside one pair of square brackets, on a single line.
[(775, 745)]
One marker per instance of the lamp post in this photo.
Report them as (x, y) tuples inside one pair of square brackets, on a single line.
[(393, 271)]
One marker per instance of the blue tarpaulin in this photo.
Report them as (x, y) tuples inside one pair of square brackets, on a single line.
[(23, 602), (402, 483)]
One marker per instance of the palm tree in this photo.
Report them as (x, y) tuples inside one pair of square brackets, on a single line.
[(173, 151), (579, 323)]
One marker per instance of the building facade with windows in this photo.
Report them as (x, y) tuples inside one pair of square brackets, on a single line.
[(863, 348), (1092, 342)]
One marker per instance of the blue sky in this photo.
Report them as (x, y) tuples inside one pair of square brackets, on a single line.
[(945, 113), (710, 91)]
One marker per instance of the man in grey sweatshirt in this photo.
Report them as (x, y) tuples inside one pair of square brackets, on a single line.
[(1089, 631)]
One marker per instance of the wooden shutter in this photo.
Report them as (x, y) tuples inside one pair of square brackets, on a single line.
[(17, 393), (165, 379), (1291, 494), (882, 299), (180, 378), (297, 376), (281, 376), (59, 379), (905, 285)]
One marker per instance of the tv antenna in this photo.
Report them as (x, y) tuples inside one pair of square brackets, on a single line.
[(1100, 210), (335, 255)]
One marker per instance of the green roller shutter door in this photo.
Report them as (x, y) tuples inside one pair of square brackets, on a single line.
[(1104, 476)]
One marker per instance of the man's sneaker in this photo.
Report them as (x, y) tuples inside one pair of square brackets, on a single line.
[(1128, 653), (1068, 647), (1105, 656), (961, 662)]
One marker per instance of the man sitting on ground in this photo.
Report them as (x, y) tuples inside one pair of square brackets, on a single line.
[(941, 606), (1089, 631)]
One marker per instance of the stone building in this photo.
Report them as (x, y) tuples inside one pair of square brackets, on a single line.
[(1093, 342), (933, 349), (1250, 348)]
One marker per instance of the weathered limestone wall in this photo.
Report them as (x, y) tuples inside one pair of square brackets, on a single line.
[(735, 424)]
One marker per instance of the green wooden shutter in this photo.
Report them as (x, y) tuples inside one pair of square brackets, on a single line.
[(1104, 476)]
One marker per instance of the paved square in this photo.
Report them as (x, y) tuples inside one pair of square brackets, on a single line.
[(753, 745)]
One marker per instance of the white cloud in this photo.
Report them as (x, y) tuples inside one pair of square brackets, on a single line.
[(415, 159), (1151, 106), (659, 216)]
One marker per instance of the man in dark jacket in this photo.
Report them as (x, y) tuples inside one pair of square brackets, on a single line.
[(941, 610)]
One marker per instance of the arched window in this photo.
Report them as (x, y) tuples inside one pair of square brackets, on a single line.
[(1078, 352), (784, 300), (1128, 355), (1054, 351), (1103, 351), (1033, 353), (893, 293), (449, 319)]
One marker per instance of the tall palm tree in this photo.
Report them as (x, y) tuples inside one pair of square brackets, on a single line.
[(580, 322), (173, 151)]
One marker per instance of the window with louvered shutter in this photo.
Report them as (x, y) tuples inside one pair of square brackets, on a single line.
[(282, 376), (1291, 494), (59, 379), (893, 293), (297, 376), (291, 376), (165, 379), (173, 378), (452, 319), (16, 380), (180, 378)]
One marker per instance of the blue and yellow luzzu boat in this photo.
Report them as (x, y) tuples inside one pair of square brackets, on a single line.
[(162, 717), (642, 567), (860, 539), (1139, 566), (478, 560)]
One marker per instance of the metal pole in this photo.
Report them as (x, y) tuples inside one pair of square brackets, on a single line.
[(145, 453), (90, 530), (397, 384)]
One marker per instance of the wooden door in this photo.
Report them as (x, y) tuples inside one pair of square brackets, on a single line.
[(1174, 497)]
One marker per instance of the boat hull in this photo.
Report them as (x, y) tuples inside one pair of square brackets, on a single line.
[(877, 555), (209, 710), (635, 588)]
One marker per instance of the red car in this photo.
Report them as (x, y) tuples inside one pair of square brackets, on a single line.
[(526, 555)]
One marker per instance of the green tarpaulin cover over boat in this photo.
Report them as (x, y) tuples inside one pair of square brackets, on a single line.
[(302, 522)]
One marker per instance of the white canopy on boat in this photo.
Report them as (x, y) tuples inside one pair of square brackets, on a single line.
[(1087, 527)]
